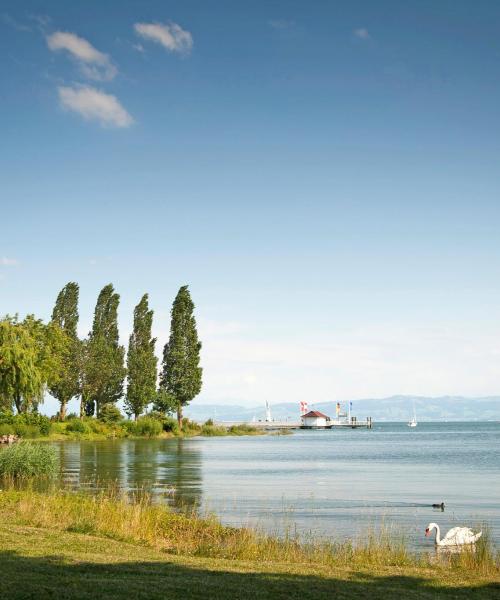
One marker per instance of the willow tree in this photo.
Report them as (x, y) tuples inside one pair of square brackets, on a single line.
[(65, 315), (141, 361), (31, 358), (21, 377), (181, 371), (103, 371)]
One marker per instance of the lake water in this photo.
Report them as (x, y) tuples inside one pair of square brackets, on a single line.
[(336, 483)]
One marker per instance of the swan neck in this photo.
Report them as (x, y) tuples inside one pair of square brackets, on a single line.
[(438, 534)]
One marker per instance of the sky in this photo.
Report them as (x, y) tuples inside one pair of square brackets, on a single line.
[(323, 175)]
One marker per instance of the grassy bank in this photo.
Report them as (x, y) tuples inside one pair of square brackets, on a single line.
[(68, 545), (39, 427)]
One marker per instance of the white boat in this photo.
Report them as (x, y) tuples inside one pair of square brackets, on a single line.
[(413, 421)]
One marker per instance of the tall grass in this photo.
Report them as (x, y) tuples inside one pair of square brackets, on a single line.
[(25, 460), (113, 515)]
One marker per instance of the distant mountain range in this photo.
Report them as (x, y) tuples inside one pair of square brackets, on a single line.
[(395, 408)]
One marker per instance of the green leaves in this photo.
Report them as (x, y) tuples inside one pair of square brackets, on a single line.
[(181, 374), (103, 371), (141, 361), (65, 316)]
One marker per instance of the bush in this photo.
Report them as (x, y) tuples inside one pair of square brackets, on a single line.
[(146, 426), (27, 424), (110, 413), (77, 426), (213, 430), (170, 424), (25, 460), (6, 429), (242, 430), (27, 431)]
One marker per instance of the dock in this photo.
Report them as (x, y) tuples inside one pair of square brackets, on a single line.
[(354, 423)]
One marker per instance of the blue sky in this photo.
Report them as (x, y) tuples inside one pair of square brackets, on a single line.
[(324, 176)]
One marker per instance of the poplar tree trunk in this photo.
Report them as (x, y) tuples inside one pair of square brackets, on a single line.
[(179, 415)]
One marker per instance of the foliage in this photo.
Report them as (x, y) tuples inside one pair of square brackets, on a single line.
[(181, 373), (21, 376), (77, 426), (243, 429), (165, 402), (25, 460), (213, 430), (103, 371), (145, 427), (141, 361), (27, 424), (65, 315), (170, 425), (110, 413)]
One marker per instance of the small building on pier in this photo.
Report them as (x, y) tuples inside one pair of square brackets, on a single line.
[(315, 420)]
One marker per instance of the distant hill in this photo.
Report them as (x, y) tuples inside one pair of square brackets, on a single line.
[(395, 408)]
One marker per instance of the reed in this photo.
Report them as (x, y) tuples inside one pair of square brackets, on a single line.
[(136, 520), (25, 460)]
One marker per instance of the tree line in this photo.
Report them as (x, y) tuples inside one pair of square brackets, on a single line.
[(36, 357)]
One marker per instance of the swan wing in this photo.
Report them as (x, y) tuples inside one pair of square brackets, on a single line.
[(459, 535)]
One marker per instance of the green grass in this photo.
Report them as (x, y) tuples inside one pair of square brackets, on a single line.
[(66, 545), (25, 460)]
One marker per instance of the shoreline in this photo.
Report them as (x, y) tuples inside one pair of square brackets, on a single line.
[(77, 536)]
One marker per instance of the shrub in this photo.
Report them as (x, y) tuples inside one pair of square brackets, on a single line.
[(27, 424), (77, 426), (242, 430), (147, 427), (209, 422), (6, 429), (110, 413), (25, 460), (213, 430), (26, 431), (170, 424)]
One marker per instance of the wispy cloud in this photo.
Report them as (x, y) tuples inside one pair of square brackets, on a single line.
[(8, 262), (170, 35), (95, 105), (280, 23), (11, 22), (362, 33), (93, 63)]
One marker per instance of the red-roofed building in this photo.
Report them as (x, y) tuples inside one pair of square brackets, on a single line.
[(315, 420)]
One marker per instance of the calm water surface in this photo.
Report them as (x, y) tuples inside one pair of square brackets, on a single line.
[(331, 483)]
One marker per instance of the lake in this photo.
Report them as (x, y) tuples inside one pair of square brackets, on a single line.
[(333, 483)]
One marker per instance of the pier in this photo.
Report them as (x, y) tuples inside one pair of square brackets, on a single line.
[(354, 423)]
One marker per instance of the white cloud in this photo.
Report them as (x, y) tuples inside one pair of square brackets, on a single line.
[(8, 262), (94, 105), (93, 63), (170, 35), (362, 33)]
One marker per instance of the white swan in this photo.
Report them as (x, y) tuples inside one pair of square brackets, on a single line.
[(458, 536)]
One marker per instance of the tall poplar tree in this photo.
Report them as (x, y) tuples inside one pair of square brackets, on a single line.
[(141, 361), (65, 315), (103, 368), (181, 373)]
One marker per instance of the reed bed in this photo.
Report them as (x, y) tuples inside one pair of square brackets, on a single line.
[(114, 515), (25, 460)]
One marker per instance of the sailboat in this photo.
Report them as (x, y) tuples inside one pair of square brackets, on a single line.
[(413, 421)]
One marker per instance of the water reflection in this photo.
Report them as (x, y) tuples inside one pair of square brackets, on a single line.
[(169, 469)]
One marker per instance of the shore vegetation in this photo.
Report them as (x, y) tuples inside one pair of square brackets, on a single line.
[(145, 538)]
